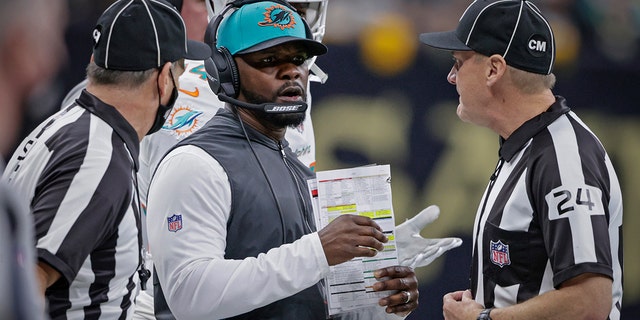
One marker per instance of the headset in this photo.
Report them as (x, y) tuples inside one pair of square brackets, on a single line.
[(222, 71)]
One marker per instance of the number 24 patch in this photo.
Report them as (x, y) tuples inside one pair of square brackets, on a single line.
[(566, 202)]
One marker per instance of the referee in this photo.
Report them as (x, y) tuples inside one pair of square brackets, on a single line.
[(77, 169), (548, 230)]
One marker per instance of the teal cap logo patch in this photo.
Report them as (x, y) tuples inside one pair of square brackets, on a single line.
[(279, 17)]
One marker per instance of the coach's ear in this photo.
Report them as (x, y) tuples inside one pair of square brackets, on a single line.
[(91, 59)]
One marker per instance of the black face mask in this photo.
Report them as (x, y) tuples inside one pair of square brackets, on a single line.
[(164, 110)]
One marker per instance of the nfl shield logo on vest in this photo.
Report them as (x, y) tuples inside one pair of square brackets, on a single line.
[(500, 253), (175, 222)]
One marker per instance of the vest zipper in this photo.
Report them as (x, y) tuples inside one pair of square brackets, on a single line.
[(298, 187)]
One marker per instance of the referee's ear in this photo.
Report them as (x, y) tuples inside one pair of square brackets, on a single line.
[(166, 82), (496, 68)]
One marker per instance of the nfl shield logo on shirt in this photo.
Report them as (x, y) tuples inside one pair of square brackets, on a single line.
[(175, 222), (500, 253)]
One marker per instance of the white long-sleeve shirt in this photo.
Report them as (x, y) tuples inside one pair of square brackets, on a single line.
[(196, 279)]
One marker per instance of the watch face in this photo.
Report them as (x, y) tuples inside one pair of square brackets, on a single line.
[(484, 315)]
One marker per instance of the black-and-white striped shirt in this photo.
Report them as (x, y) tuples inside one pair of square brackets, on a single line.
[(552, 211), (76, 170)]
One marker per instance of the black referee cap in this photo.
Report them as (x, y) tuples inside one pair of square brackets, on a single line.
[(137, 35), (514, 29)]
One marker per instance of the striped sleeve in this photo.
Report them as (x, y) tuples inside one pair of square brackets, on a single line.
[(72, 213), (572, 200)]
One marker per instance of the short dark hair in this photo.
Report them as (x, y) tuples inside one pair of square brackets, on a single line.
[(131, 79)]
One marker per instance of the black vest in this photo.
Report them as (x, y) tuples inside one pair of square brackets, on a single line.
[(259, 173)]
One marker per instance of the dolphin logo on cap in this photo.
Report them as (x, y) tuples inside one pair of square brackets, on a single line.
[(279, 17)]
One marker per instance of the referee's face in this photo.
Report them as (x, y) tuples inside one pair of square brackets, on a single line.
[(468, 74)]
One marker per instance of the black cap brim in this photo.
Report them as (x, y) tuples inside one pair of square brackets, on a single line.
[(197, 50), (444, 40), (314, 48)]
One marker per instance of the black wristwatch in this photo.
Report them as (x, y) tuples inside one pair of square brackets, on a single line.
[(484, 315)]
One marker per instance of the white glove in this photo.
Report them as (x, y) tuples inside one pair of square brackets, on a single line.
[(414, 250)]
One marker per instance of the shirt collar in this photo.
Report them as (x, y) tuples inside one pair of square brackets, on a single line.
[(520, 137), (113, 118)]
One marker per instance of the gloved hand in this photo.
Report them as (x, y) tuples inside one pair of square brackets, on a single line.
[(414, 250)]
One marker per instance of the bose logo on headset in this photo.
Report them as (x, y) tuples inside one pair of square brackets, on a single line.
[(211, 79), (284, 108)]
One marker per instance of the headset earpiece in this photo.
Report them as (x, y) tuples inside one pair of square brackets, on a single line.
[(222, 73)]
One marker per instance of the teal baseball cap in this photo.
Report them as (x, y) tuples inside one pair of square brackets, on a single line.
[(261, 25)]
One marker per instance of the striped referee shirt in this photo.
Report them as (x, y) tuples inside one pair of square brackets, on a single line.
[(552, 211), (76, 170)]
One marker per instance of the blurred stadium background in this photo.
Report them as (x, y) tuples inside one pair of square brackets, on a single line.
[(387, 101)]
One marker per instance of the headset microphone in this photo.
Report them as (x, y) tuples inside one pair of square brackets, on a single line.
[(267, 107)]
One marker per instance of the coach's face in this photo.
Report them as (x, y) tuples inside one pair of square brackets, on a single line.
[(278, 74)]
